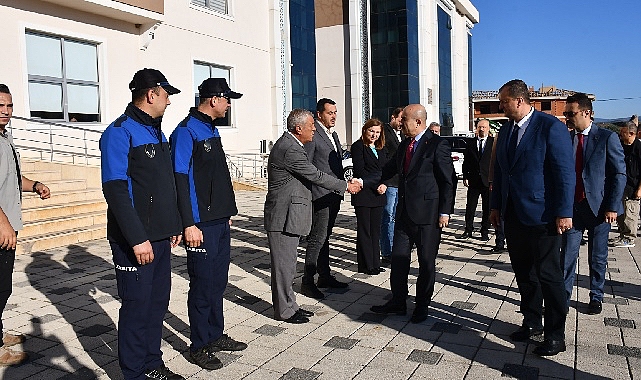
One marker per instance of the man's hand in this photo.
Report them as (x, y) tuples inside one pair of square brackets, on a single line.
[(175, 240), (144, 252), (353, 186), (563, 224), (381, 189), (610, 216), (443, 221), (7, 235), (193, 236), (465, 182), (495, 218), (43, 191)]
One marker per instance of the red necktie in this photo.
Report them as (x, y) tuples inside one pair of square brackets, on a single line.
[(408, 156), (579, 191)]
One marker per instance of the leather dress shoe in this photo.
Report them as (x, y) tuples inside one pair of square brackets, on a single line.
[(305, 313), (297, 318), (419, 315), (595, 307), (310, 290), (550, 348), (386, 260), (524, 333), (390, 308), (485, 237), (330, 282), (464, 235)]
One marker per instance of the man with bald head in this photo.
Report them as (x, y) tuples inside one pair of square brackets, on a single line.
[(424, 166)]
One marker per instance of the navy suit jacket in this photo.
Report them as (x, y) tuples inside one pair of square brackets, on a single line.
[(603, 171), (540, 180)]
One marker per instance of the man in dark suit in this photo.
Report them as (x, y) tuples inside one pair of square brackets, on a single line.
[(476, 168), (424, 165), (533, 186), (393, 137), (600, 179), (288, 208), (324, 152)]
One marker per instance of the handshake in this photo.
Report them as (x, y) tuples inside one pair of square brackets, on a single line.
[(354, 185)]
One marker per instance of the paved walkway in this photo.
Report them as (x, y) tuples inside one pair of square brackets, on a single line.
[(65, 300)]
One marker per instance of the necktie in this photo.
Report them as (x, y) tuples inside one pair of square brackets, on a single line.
[(480, 146), (511, 147), (579, 190), (408, 156)]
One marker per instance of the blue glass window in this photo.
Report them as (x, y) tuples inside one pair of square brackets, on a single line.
[(303, 49)]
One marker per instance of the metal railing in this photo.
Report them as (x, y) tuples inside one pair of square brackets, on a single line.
[(248, 165)]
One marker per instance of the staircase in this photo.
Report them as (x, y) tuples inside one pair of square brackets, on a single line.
[(76, 211)]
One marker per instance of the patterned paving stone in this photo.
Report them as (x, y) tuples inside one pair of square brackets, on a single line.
[(372, 317), (631, 352), (95, 330), (616, 322), (612, 259), (446, 327), (246, 300), (412, 280), (234, 277), (264, 266), (464, 305), (61, 291), (269, 330), (110, 276), (75, 270), (475, 287), (300, 374), (48, 318), (616, 301), (518, 371), (486, 273), (10, 306), (613, 270), (312, 308), (424, 357), (227, 357), (360, 275), (104, 299), (22, 284), (340, 342)]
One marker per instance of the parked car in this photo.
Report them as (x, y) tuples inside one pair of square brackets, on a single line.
[(348, 168), (458, 144)]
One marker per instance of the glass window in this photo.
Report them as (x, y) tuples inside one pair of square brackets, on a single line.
[(546, 106), (303, 53), (445, 72), (220, 6), (63, 78), (203, 71)]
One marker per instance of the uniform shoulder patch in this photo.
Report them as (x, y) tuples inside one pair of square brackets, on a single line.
[(120, 120)]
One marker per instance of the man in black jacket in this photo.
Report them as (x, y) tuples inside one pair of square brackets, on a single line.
[(206, 202), (143, 223), (627, 222), (393, 137), (476, 168)]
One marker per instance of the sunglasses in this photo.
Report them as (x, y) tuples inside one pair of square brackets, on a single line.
[(570, 113)]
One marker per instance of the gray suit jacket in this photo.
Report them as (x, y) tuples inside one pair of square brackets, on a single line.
[(288, 206), (321, 153)]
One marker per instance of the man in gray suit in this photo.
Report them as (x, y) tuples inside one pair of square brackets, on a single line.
[(288, 208), (325, 152)]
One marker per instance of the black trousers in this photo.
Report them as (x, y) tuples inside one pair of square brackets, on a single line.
[(325, 211), (535, 254), (427, 238), (368, 233), (7, 260), (473, 194)]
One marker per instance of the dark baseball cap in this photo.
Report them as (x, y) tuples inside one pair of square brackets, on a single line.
[(150, 78), (217, 87)]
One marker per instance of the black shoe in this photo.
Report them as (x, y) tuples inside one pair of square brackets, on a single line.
[(297, 318), (389, 308), (386, 260), (419, 315), (550, 348), (464, 235), (595, 307), (305, 313), (498, 249), (310, 290), (485, 237), (164, 373), (330, 282), (374, 272), (381, 270), (225, 343), (524, 333)]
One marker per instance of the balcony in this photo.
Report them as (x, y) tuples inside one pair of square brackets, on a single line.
[(133, 11)]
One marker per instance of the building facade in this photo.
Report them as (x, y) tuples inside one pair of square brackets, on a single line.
[(70, 61)]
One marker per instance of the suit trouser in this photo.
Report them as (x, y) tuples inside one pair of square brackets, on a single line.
[(144, 292), (7, 260), (473, 193), (598, 229), (388, 220), (627, 221), (282, 250), (368, 228), (535, 254), (208, 268), (427, 238), (325, 211)]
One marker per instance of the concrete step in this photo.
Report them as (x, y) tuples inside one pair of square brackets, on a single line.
[(59, 239), (45, 211), (43, 176), (67, 185), (53, 225), (32, 200)]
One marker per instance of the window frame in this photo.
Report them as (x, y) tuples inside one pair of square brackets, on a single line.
[(63, 81), (208, 9)]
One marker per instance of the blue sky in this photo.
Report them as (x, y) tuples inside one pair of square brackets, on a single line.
[(591, 46)]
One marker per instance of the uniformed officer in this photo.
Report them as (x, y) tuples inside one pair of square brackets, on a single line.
[(206, 201), (143, 222)]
